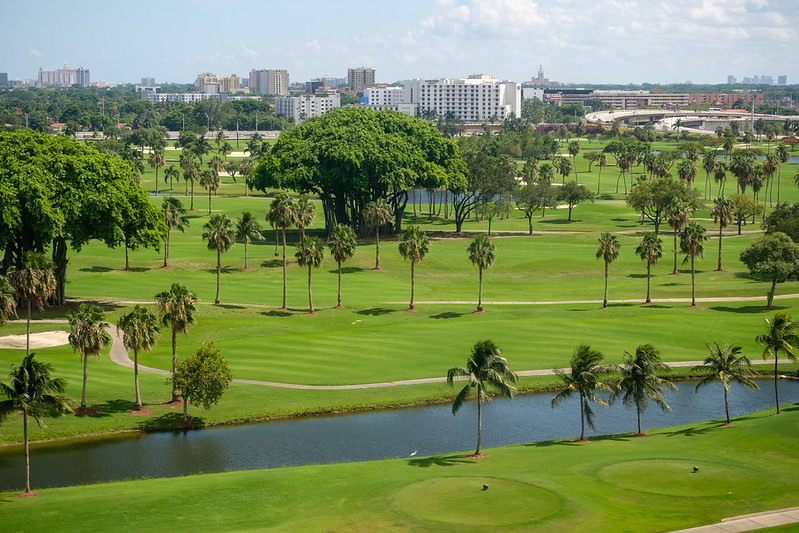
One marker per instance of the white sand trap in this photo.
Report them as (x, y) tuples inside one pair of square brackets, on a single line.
[(45, 339)]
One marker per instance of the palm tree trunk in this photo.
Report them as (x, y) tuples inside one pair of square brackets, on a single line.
[(719, 267), (776, 389), (28, 331), (191, 207), (127, 259), (377, 247), (185, 409), (638, 413), (480, 291), (156, 181), (675, 252), (479, 422), (726, 405), (582, 417), (166, 248), (693, 283), (245, 255), (136, 377), (605, 301), (218, 272), (310, 298), (412, 280), (175, 393), (209, 201), (339, 285), (27, 451), (648, 280), (85, 375), (284, 269)]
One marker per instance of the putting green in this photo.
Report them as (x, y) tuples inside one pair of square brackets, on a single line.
[(676, 477), (462, 500)]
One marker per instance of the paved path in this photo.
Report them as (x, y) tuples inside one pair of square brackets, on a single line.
[(749, 522)]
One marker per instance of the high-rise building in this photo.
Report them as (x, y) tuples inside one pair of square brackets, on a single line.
[(147, 82), (476, 98), (212, 84), (64, 77), (782, 79), (269, 81), (306, 106), (3, 79), (731, 79), (360, 78)]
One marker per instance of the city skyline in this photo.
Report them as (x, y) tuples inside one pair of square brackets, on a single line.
[(577, 41)]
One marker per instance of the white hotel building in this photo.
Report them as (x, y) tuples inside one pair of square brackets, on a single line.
[(305, 107), (472, 99)]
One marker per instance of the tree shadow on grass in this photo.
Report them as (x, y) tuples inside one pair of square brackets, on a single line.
[(375, 311), (438, 460), (347, 270), (276, 313), (560, 221), (447, 314), (271, 263), (96, 269), (636, 276), (115, 406), (230, 306), (748, 309), (620, 437), (170, 422)]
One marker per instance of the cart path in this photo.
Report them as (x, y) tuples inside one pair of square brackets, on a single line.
[(749, 522)]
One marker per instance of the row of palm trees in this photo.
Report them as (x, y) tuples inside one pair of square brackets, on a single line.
[(634, 382)]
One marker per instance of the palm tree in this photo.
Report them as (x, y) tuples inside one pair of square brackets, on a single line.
[(310, 253), (88, 337), (342, 246), (726, 364), (248, 228), (306, 213), (191, 172), (174, 217), (221, 236), (485, 368), (586, 377), (608, 250), (783, 156), (216, 164), (210, 180), (709, 165), (282, 214), (177, 308), (156, 160), (720, 175), (33, 284), (602, 162), (692, 244), (723, 210), (36, 393), (574, 149), (781, 335), (687, 171), (677, 214), (481, 253), (413, 245), (139, 332), (170, 174), (639, 381), (8, 305), (376, 214), (201, 147), (650, 250), (225, 149)]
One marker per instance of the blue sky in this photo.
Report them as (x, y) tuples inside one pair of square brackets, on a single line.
[(580, 41)]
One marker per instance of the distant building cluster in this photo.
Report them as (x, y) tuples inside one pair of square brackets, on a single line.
[(758, 80), (63, 77)]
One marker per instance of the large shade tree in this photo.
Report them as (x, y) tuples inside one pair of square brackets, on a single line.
[(586, 376), (725, 364), (220, 235), (140, 331), (486, 368), (413, 246), (773, 257), (177, 309), (654, 197), (482, 254), (349, 157), (782, 335), (342, 246), (88, 337), (33, 391)]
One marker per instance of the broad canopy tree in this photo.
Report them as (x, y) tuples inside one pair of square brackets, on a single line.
[(653, 198), (350, 157)]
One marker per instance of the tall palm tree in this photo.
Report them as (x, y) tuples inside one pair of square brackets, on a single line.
[(608, 250), (650, 250), (574, 149), (139, 332), (709, 165), (376, 214), (342, 246), (247, 229), (723, 210), (306, 213), (175, 218), (34, 391), (692, 244), (481, 253), (177, 308), (485, 368), (156, 160), (639, 381), (88, 337), (201, 147), (783, 156), (225, 149), (720, 176), (8, 305), (210, 181), (726, 364), (221, 236), (310, 253), (602, 162), (171, 174), (245, 167), (678, 214), (282, 215), (33, 284), (781, 336), (587, 376), (687, 171), (191, 172), (413, 245)]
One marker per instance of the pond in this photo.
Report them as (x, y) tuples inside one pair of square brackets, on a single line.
[(359, 437)]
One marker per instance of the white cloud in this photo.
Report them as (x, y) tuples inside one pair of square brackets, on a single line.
[(34, 52)]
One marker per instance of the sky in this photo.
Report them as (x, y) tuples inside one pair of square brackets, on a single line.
[(576, 41)]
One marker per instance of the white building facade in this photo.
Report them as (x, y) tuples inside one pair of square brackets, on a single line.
[(384, 96), (472, 99), (304, 107)]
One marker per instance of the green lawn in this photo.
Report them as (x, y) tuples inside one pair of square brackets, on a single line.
[(614, 483)]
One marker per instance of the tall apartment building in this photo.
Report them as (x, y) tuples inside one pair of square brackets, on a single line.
[(384, 96), (472, 99), (4, 79), (724, 99), (360, 78), (269, 81), (213, 84), (64, 77), (305, 107)]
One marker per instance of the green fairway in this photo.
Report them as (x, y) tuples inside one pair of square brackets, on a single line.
[(614, 483)]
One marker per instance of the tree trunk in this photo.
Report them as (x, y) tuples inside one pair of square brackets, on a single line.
[(218, 272), (166, 248), (185, 409), (693, 283), (377, 247), (412, 281), (726, 405), (27, 451), (770, 297), (85, 375), (245, 255), (209, 201), (776, 389), (582, 418), (60, 269), (605, 300), (284, 269), (480, 290), (720, 228), (648, 280), (675, 252), (479, 422), (638, 413), (339, 284), (530, 224), (28, 331), (175, 393), (310, 298), (191, 206), (136, 377), (127, 259)]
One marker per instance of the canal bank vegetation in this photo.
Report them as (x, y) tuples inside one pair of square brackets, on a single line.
[(674, 478)]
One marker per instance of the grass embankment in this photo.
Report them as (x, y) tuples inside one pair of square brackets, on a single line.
[(614, 483)]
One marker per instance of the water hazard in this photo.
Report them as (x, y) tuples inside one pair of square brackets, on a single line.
[(360, 437)]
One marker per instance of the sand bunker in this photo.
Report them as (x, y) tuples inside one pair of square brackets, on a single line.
[(45, 339)]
